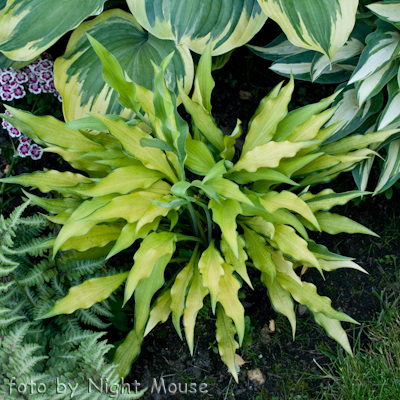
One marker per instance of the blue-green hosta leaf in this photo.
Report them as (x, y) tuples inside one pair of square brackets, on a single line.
[(388, 10), (120, 34), (324, 26), (391, 168), (383, 46), (352, 115), (86, 294), (281, 47), (300, 65), (230, 23), (29, 27)]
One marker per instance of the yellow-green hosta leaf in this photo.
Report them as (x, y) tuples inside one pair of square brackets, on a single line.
[(281, 299), (74, 226), (292, 245), (178, 292), (300, 116), (288, 168), (228, 189), (284, 266), (129, 235), (267, 174), (54, 206), (322, 253), (62, 217), (23, 38), (257, 250), (152, 213), (261, 226), (199, 158), (203, 121), (280, 216), (45, 181), (269, 155), (324, 201), (160, 312), (230, 23), (194, 303), (79, 72), (334, 329), (263, 127), (53, 132), (228, 297), (127, 353), (334, 265), (154, 247), (239, 263), (354, 142), (224, 214), (334, 224), (307, 295), (98, 236), (131, 207), (227, 344), (323, 27), (272, 201), (145, 291), (86, 294), (124, 180), (130, 136), (210, 266)]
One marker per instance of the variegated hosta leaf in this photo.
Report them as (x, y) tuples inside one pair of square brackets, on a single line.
[(323, 27), (7, 63), (383, 46), (301, 66), (352, 115), (390, 116), (388, 10), (119, 33), (391, 168), (281, 47), (23, 38), (86, 294), (230, 23)]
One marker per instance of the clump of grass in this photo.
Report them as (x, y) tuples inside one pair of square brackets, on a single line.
[(373, 373)]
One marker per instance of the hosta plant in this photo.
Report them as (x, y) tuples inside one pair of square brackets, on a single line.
[(198, 211), (367, 65)]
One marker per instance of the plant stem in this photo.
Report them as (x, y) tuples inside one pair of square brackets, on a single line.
[(194, 221), (143, 119), (209, 222)]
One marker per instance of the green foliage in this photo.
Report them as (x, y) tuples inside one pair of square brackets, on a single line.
[(367, 65), (181, 192), (44, 355)]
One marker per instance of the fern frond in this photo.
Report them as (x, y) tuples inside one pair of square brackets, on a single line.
[(42, 272), (90, 318), (99, 309), (73, 269), (37, 247)]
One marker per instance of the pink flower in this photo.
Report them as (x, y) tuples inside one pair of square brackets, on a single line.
[(8, 113), (21, 77), (19, 93), (24, 150), (24, 139), (5, 124), (35, 88), (14, 132), (47, 76), (36, 152), (46, 64), (6, 96)]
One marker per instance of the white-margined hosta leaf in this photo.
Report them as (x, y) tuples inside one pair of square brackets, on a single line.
[(322, 26), (300, 65), (374, 84), (29, 27), (7, 63), (391, 168), (383, 46), (390, 116), (119, 33), (349, 111), (281, 47), (388, 10), (231, 23)]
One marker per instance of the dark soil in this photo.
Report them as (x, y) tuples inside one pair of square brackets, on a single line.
[(240, 85)]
